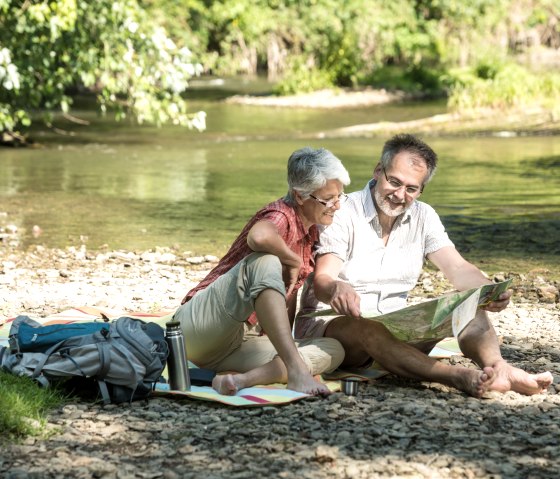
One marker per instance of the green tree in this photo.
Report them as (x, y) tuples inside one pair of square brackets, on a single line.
[(111, 48)]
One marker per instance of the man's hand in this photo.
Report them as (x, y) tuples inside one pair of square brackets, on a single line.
[(340, 295), (345, 301), (499, 304), (464, 275)]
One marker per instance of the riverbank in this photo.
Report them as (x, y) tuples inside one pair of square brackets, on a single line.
[(392, 428), (510, 123), (325, 99), (482, 122)]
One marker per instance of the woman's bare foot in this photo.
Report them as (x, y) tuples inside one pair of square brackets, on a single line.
[(305, 383), (475, 382), (509, 378), (226, 384)]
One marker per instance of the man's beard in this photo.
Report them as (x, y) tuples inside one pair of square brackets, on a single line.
[(386, 206)]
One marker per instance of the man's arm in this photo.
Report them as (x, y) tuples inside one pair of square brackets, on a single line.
[(340, 295), (263, 237), (464, 275)]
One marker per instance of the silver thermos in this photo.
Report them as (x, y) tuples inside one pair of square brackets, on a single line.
[(177, 365)]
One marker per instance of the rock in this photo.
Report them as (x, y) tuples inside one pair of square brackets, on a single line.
[(326, 454), (427, 285), (548, 293), (196, 260)]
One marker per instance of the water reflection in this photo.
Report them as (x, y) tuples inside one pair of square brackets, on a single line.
[(139, 187), (98, 169)]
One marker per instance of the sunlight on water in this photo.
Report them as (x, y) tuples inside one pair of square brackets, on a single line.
[(140, 187)]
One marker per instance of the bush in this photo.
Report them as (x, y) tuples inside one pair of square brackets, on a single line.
[(413, 79), (503, 87), (301, 78)]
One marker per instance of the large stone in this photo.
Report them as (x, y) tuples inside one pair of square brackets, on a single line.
[(548, 293)]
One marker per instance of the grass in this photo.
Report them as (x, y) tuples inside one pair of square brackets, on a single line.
[(24, 407)]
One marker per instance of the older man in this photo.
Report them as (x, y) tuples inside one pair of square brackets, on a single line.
[(371, 257)]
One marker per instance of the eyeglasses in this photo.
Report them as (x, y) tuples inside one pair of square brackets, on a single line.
[(341, 198), (410, 190)]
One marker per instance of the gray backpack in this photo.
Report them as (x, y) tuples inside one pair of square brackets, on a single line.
[(124, 358)]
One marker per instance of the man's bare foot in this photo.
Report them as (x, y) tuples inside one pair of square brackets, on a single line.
[(305, 383), (475, 382), (226, 384), (509, 378)]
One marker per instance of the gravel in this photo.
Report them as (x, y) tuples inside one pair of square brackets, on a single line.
[(393, 428)]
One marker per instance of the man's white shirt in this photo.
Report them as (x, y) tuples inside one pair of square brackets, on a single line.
[(382, 275)]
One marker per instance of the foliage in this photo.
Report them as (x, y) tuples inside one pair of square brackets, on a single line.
[(357, 41), (278, 35), (23, 406), (48, 49), (301, 78), (503, 87), (121, 51), (416, 79), (465, 29)]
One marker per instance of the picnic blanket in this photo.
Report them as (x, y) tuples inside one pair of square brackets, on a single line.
[(256, 396)]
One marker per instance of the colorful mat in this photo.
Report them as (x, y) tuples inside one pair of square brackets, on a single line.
[(256, 396), (273, 394)]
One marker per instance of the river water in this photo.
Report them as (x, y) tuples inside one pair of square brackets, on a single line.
[(137, 187)]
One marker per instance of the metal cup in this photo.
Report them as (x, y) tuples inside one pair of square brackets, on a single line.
[(350, 386)]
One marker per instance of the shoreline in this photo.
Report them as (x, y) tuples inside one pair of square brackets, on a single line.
[(484, 121), (325, 99)]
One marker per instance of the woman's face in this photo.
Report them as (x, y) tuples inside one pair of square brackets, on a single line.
[(321, 206)]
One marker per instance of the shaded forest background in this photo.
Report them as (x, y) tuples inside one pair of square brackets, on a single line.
[(137, 56)]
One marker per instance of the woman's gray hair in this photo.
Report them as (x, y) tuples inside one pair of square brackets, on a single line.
[(310, 169)]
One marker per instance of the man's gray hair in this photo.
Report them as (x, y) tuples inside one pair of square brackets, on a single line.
[(310, 169), (413, 145)]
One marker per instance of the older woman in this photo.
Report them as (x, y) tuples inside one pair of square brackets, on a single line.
[(257, 281)]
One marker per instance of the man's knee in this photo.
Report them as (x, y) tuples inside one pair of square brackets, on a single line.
[(364, 333), (321, 355)]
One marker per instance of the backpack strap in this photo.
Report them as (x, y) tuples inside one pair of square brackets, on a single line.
[(124, 350), (104, 364), (104, 359), (46, 355), (104, 391)]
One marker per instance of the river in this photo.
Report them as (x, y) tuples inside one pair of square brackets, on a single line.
[(137, 187)]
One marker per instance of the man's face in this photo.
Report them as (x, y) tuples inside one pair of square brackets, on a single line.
[(398, 186)]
